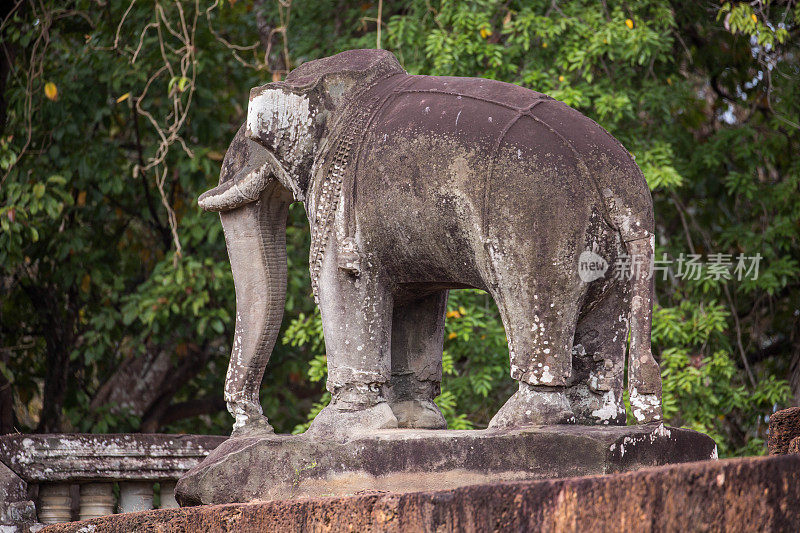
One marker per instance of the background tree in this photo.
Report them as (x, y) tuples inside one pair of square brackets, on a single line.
[(117, 299)]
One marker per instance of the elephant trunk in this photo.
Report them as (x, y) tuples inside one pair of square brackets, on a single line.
[(255, 234)]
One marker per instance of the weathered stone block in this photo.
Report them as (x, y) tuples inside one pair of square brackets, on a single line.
[(86, 457), (750, 494), (15, 508), (275, 467), (784, 427)]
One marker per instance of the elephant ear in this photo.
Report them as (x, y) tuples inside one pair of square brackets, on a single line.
[(286, 112)]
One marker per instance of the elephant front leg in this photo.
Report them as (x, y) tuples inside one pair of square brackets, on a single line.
[(356, 320)]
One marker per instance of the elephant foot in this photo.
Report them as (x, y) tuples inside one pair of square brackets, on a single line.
[(418, 414), (646, 407), (249, 420), (339, 421), (534, 406), (596, 408), (253, 427)]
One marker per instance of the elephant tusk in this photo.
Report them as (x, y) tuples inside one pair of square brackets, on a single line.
[(242, 191), (237, 192)]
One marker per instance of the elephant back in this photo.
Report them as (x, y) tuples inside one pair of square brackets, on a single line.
[(514, 140)]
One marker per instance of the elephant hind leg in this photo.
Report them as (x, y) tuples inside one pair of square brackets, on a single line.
[(417, 342), (595, 392), (539, 315)]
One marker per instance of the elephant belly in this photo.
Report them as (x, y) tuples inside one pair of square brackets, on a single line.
[(424, 236)]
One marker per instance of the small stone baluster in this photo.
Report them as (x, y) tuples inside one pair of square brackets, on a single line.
[(97, 499), (168, 495), (135, 496), (55, 503)]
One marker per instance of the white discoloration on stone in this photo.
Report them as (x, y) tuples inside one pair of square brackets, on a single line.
[(287, 115), (662, 431), (646, 407), (714, 453), (240, 421), (610, 409), (546, 377)]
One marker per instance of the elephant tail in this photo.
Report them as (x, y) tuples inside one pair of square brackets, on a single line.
[(636, 228), (644, 376)]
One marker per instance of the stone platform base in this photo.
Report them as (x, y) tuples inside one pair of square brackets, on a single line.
[(751, 494), (279, 467)]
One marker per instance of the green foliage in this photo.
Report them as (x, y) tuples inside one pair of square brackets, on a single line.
[(702, 384), (100, 175), (88, 246)]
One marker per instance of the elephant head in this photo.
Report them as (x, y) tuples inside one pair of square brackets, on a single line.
[(268, 165)]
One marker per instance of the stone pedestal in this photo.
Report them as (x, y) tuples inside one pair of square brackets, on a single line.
[(733, 495), (276, 467)]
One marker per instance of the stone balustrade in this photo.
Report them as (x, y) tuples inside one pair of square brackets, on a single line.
[(61, 478)]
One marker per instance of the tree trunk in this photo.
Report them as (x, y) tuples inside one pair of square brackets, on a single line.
[(144, 385), (6, 400), (58, 319)]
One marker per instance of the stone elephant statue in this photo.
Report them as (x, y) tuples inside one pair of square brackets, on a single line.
[(415, 185)]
